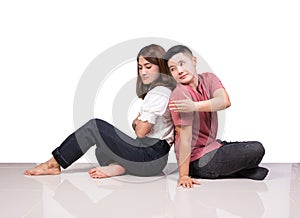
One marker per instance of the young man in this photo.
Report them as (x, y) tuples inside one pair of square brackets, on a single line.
[(194, 105)]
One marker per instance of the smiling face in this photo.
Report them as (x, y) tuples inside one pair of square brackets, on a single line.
[(148, 72), (183, 68)]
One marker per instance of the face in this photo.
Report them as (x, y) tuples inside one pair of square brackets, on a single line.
[(148, 72), (183, 68)]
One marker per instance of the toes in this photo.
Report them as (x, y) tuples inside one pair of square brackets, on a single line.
[(28, 172), (96, 174), (91, 171)]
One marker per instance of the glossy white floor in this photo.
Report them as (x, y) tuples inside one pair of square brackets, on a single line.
[(75, 194)]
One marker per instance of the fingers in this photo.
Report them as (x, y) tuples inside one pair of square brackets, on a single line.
[(186, 105), (177, 106), (173, 106), (188, 183), (196, 182)]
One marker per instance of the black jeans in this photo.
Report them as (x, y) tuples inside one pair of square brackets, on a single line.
[(228, 160), (140, 156)]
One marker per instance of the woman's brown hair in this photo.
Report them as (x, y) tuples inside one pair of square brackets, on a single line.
[(155, 55)]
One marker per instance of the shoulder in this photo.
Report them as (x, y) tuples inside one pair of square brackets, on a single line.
[(210, 81), (160, 90), (179, 91), (207, 76), (158, 93), (156, 101), (181, 87)]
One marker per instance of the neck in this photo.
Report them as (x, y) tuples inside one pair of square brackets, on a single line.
[(149, 87), (194, 82)]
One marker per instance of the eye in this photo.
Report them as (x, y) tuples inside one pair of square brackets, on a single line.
[(181, 63), (148, 66), (172, 69)]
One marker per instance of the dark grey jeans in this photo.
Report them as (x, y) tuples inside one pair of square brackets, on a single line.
[(140, 156), (228, 160)]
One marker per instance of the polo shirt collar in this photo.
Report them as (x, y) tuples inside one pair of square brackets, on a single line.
[(199, 87)]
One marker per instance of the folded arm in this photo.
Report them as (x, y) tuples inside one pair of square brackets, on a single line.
[(141, 128)]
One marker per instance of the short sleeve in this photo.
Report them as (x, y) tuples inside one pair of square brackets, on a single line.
[(155, 104), (213, 82), (181, 118)]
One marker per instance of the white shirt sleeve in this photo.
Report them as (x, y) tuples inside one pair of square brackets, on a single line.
[(155, 104)]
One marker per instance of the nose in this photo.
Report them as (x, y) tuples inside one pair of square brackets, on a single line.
[(143, 71), (179, 69)]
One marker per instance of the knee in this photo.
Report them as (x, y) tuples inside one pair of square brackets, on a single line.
[(100, 126), (94, 122), (258, 148), (90, 122), (98, 122), (90, 127)]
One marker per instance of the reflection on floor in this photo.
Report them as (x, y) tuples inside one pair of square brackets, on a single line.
[(75, 194)]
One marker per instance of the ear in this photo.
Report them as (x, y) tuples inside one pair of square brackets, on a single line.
[(194, 59)]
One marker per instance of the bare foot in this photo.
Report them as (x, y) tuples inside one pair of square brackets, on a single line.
[(51, 167), (107, 171)]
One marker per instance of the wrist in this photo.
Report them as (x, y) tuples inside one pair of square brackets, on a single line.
[(197, 105)]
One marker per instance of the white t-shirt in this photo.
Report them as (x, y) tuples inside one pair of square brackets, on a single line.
[(155, 110)]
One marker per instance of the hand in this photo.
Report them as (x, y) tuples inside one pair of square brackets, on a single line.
[(186, 105), (134, 122), (187, 182)]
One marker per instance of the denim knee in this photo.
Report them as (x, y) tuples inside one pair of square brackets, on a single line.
[(259, 149), (99, 123), (92, 122)]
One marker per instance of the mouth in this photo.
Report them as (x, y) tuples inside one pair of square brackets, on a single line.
[(183, 76)]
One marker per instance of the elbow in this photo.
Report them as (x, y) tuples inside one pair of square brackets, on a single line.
[(224, 103), (142, 129), (227, 103), (140, 134)]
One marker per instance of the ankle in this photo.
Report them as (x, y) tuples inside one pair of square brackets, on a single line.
[(257, 173), (52, 163), (117, 167)]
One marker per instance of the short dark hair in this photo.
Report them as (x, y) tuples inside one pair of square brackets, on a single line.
[(176, 50)]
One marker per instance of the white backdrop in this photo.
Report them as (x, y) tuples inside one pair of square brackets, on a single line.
[(45, 46)]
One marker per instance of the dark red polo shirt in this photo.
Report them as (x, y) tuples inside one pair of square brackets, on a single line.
[(204, 124)]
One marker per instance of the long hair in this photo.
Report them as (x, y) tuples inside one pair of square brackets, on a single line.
[(155, 55)]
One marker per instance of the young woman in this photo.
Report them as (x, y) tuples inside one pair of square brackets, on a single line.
[(116, 152)]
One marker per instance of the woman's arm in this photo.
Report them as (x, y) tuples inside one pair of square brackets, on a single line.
[(134, 122), (185, 135), (219, 101), (154, 105), (142, 128)]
